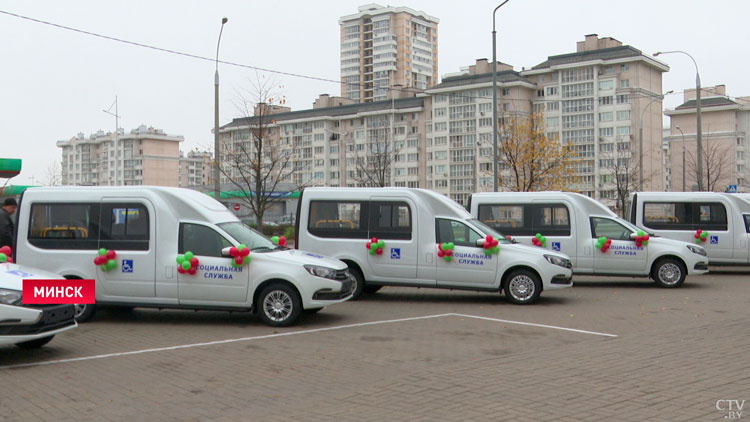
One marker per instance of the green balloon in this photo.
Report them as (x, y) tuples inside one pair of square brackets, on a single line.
[(241, 246), (448, 258), (275, 239), (451, 245), (111, 264), (102, 251), (186, 265), (246, 260), (496, 249), (487, 252), (189, 255), (381, 243), (372, 251), (373, 246), (104, 267), (180, 259)]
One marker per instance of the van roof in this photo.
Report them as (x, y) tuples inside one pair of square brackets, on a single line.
[(187, 203), (439, 205), (738, 201), (589, 205)]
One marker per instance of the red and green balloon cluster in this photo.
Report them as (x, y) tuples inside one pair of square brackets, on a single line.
[(107, 259), (240, 255), (603, 244), (641, 239), (491, 245), (700, 236), (539, 240), (445, 251), (187, 263), (5, 253), (279, 240), (375, 246)]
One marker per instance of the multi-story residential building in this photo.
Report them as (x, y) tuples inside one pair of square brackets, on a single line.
[(145, 156), (384, 47), (597, 99), (195, 169), (725, 124)]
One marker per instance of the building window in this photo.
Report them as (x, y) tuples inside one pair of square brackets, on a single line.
[(623, 99), (624, 67), (605, 101), (623, 115), (506, 91), (623, 131), (605, 117), (606, 85), (551, 90), (625, 83)]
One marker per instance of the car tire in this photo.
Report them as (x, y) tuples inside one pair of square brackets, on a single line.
[(279, 305), (359, 283), (522, 287), (669, 273), (372, 288), (85, 312), (35, 344)]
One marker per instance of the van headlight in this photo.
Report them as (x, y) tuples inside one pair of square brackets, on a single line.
[(697, 249), (323, 272), (557, 260), (10, 297)]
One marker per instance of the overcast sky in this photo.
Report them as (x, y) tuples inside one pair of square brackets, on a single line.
[(55, 82)]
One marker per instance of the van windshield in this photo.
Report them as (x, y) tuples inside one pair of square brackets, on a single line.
[(633, 227), (251, 238), (489, 230)]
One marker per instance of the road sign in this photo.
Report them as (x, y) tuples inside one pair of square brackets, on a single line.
[(732, 189), (236, 207)]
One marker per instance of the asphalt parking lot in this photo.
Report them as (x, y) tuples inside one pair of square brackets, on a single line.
[(607, 349)]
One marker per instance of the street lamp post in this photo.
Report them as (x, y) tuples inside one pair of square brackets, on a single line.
[(117, 125), (640, 139), (683, 157), (217, 148), (494, 95), (699, 142)]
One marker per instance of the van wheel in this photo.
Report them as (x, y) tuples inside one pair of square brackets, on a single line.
[(669, 273), (359, 283), (83, 312), (523, 287), (372, 288), (35, 344), (279, 305)]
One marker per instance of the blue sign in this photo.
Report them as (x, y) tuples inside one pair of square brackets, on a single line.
[(20, 273), (395, 253), (732, 189), (556, 246), (127, 265), (714, 240)]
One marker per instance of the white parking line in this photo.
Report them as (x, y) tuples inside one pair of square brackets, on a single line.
[(292, 333)]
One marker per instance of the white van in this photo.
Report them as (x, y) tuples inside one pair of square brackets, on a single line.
[(29, 326), (679, 215), (340, 222), (572, 223), (61, 229)]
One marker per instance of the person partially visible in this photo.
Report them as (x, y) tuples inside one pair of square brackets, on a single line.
[(6, 222)]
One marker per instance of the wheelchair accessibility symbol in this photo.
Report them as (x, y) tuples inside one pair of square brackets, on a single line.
[(714, 240), (395, 253), (556, 246), (127, 265)]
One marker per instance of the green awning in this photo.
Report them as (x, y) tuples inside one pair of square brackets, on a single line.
[(10, 167), (15, 190)]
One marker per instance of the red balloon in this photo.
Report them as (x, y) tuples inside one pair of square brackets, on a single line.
[(282, 241), (6, 250), (488, 238), (449, 252), (238, 260), (194, 262), (379, 251), (245, 251), (368, 244), (111, 254), (374, 240), (192, 270), (441, 253), (180, 270), (233, 251)]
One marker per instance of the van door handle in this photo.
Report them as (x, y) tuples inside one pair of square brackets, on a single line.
[(428, 258)]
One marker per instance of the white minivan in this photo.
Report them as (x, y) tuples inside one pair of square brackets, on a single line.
[(721, 221), (61, 229), (573, 224), (29, 326), (416, 228)]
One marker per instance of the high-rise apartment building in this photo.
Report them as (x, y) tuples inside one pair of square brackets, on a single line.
[(725, 125), (195, 169), (597, 99), (385, 47), (145, 156)]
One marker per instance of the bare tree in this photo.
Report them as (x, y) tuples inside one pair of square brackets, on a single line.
[(374, 161), (54, 174), (715, 158), (256, 162), (618, 166)]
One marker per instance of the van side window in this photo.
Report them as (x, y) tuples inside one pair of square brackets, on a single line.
[(747, 222), (124, 226), (609, 228), (506, 219), (457, 232), (550, 219), (201, 240), (64, 226), (685, 216), (338, 219), (390, 220)]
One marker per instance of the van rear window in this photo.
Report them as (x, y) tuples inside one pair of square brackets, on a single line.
[(64, 226), (338, 219), (551, 219), (685, 216)]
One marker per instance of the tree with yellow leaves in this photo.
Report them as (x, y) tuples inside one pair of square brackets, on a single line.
[(532, 160)]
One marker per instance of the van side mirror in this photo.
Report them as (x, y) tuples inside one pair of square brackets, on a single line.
[(225, 252), (480, 242), (633, 236)]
